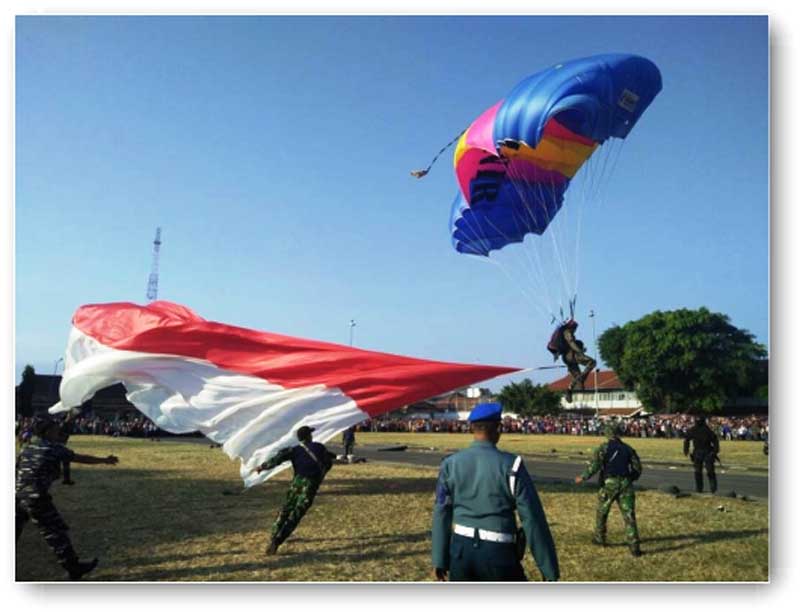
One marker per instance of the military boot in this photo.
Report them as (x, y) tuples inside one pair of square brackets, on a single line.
[(636, 551), (77, 569), (698, 482), (272, 549)]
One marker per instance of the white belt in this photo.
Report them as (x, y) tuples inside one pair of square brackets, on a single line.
[(484, 534)]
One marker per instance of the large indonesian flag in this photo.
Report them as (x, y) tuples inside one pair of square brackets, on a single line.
[(247, 390)]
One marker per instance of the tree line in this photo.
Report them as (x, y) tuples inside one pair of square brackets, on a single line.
[(676, 361)]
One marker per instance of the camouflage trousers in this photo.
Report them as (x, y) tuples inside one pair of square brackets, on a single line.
[(618, 490), (39, 508), (298, 500), (574, 361)]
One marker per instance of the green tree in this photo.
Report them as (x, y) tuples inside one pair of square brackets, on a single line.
[(527, 399), (684, 360)]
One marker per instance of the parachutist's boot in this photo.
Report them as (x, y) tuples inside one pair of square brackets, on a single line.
[(568, 395), (635, 550), (272, 549), (712, 484), (77, 569)]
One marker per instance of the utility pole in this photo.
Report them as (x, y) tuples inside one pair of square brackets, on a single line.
[(152, 282), (55, 365), (352, 325), (594, 340)]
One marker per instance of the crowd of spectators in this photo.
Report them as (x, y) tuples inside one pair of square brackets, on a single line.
[(138, 426), (754, 427)]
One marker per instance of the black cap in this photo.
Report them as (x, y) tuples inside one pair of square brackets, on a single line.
[(304, 432)]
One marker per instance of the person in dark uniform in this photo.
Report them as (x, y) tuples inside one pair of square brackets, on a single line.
[(66, 469), (705, 450), (475, 535), (349, 441), (311, 462), (38, 465), (619, 466), (572, 351)]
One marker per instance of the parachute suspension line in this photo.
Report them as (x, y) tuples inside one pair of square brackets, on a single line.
[(536, 269), (508, 274), (481, 233), (514, 281), (530, 205), (420, 173)]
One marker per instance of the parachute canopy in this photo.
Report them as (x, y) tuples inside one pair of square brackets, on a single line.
[(516, 160)]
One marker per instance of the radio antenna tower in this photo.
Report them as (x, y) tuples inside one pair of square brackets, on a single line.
[(152, 282)]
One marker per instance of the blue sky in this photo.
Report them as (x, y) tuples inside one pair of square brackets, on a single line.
[(275, 155)]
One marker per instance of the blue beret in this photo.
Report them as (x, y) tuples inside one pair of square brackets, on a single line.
[(486, 412)]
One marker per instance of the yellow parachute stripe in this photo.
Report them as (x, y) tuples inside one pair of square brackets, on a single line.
[(461, 148), (553, 154), (565, 156)]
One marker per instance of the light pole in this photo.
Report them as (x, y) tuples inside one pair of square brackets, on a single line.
[(352, 325), (55, 365), (594, 341)]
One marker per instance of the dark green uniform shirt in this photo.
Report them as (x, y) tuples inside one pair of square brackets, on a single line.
[(600, 459), (474, 490)]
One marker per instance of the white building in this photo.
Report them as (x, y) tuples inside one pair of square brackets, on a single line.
[(610, 397)]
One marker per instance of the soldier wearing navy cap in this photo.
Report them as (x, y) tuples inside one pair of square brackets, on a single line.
[(311, 461), (475, 536)]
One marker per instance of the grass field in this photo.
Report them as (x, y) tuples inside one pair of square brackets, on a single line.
[(733, 454), (163, 514)]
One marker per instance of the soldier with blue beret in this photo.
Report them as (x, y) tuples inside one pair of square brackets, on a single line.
[(475, 535)]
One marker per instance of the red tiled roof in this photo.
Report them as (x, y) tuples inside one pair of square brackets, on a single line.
[(607, 380)]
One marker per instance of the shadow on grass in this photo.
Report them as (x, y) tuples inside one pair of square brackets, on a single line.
[(284, 560), (688, 540)]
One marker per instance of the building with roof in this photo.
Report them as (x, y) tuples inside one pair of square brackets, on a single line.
[(109, 402), (610, 397)]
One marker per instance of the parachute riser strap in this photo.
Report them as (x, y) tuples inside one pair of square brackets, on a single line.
[(421, 173)]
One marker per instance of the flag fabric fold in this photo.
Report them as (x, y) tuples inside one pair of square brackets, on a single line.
[(245, 389)]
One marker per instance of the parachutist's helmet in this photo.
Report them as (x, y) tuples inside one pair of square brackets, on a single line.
[(571, 324)]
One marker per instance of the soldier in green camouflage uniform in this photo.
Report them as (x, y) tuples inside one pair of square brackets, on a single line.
[(311, 461), (619, 466), (38, 465)]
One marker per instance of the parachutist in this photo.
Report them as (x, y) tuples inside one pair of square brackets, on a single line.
[(419, 173), (564, 344)]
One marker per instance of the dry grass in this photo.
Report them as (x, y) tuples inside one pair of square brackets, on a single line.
[(163, 514), (733, 454)]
